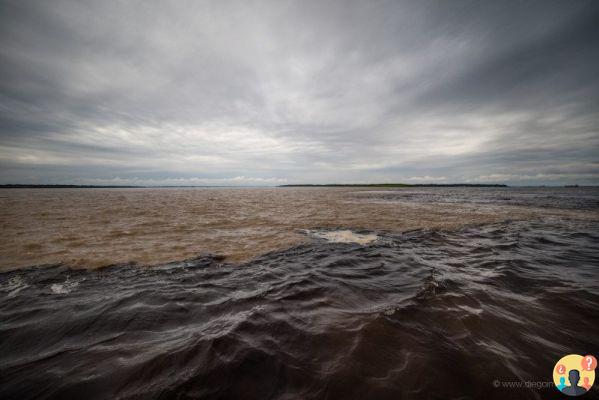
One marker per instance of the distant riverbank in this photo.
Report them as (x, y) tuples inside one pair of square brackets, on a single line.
[(398, 185), (356, 185), (375, 185)]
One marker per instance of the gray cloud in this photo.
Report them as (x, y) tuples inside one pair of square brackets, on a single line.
[(269, 92)]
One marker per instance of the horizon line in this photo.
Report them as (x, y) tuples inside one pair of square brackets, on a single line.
[(75, 186)]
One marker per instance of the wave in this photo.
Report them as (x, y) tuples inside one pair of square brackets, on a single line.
[(422, 314)]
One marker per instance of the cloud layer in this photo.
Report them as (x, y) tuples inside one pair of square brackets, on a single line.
[(270, 92)]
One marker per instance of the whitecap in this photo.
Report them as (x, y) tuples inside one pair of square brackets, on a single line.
[(344, 236), (63, 288)]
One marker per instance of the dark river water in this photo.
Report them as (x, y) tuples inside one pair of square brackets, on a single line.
[(423, 314)]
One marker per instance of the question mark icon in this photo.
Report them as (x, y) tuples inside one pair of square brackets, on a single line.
[(588, 363), (560, 369)]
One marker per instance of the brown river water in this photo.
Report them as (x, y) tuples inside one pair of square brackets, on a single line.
[(296, 293), (97, 227)]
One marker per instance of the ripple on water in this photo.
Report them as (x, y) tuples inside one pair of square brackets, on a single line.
[(14, 285)]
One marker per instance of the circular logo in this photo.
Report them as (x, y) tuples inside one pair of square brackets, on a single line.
[(574, 374)]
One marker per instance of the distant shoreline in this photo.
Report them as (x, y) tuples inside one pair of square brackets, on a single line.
[(399, 185), (27, 186), (387, 185), (356, 185)]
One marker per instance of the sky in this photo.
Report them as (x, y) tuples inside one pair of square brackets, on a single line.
[(312, 91)]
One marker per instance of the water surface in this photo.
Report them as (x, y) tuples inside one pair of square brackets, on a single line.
[(425, 313), (90, 228)]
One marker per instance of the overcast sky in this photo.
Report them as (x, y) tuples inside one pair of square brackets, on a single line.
[(273, 92)]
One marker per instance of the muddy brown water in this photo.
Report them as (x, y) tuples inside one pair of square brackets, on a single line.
[(97, 227)]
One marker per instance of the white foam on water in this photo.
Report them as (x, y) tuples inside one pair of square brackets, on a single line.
[(63, 288), (14, 286), (344, 236)]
